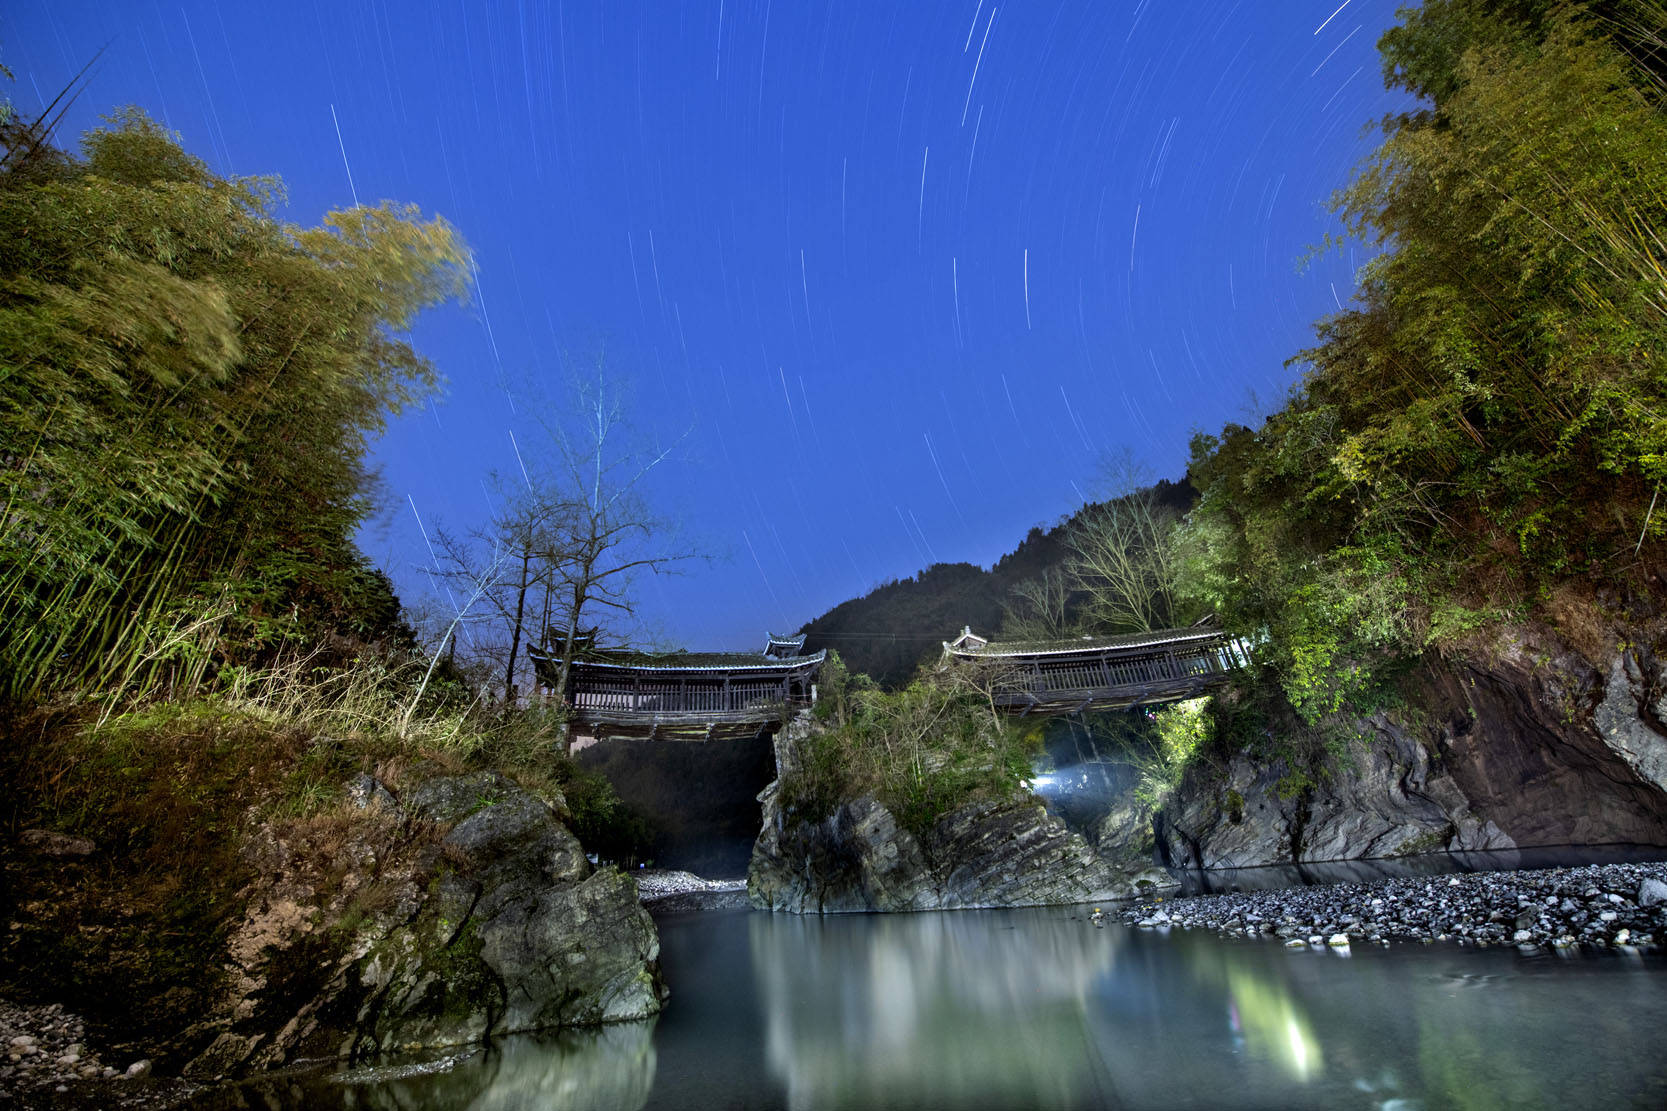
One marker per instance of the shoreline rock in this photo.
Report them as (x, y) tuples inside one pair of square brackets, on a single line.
[(1530, 743), (45, 1047), (474, 913), (1594, 906), (1008, 852)]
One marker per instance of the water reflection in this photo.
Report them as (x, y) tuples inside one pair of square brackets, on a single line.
[(951, 1010), (1039, 1008), (1263, 1025), (609, 1068)]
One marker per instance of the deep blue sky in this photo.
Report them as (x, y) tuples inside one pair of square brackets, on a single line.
[(899, 274)]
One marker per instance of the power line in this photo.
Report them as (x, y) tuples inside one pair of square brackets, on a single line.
[(874, 636)]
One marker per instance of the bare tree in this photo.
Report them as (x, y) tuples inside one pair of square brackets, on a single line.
[(1124, 563), (482, 586), (569, 536), (526, 538), (605, 533), (1123, 558), (1038, 608)]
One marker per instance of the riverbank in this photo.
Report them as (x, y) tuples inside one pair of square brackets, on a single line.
[(1596, 906), (50, 1062), (666, 891)]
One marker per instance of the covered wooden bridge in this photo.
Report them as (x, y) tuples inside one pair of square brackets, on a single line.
[(1103, 672), (692, 696)]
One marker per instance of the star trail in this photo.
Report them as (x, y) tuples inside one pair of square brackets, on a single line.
[(813, 238)]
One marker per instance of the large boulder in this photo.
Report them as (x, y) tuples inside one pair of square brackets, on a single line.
[(467, 911), (989, 853), (1382, 799), (1126, 840), (1002, 853), (1530, 745)]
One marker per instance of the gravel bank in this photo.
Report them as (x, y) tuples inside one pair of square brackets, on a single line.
[(47, 1060), (1596, 906), (662, 890)]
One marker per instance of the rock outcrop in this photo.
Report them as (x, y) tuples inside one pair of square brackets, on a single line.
[(1533, 747), (1125, 840), (460, 910), (990, 853)]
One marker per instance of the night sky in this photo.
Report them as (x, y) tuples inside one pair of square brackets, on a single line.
[(890, 279)]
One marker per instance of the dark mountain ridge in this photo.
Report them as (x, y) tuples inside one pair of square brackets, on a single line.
[(890, 631)]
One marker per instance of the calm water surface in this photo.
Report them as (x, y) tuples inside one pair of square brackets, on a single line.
[(1040, 1009)]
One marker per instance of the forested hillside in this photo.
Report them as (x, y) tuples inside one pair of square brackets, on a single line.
[(888, 632)]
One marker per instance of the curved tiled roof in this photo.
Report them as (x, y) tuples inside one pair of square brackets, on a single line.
[(700, 661), (1152, 639)]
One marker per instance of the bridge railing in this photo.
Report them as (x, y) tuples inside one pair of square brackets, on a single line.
[(647, 697), (1114, 676)]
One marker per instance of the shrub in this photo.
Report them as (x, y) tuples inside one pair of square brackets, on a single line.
[(922, 751)]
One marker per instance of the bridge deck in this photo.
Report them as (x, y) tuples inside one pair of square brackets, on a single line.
[(686, 696)]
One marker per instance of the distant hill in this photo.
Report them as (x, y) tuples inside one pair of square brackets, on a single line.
[(891, 630)]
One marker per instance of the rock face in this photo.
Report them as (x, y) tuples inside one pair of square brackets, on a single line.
[(468, 910), (988, 854), (1534, 747), (1125, 840)]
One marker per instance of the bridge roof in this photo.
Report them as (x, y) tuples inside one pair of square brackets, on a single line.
[(1086, 645), (701, 661)]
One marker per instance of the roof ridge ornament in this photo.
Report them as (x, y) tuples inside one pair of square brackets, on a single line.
[(778, 646), (968, 641)]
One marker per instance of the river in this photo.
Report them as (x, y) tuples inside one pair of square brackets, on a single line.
[(1039, 1008)]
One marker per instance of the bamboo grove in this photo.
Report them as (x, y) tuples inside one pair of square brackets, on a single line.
[(187, 387), (1487, 424)]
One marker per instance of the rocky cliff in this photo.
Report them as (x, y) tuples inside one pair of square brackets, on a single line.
[(458, 910), (990, 853), (1530, 743)]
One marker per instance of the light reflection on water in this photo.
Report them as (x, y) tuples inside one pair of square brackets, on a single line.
[(949, 1009), (1039, 1008)]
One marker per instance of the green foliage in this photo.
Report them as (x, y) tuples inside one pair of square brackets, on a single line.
[(187, 387), (1485, 423), (1184, 731), (600, 819), (923, 751)]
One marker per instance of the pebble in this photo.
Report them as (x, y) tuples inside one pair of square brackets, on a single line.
[(667, 890), (47, 1047), (1565, 908)]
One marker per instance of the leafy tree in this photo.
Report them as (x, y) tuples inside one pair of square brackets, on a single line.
[(1485, 423), (187, 388)]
